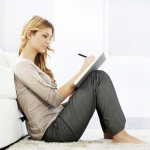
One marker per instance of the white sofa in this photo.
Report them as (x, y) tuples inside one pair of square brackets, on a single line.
[(11, 127)]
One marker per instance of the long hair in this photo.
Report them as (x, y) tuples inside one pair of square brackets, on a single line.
[(34, 24)]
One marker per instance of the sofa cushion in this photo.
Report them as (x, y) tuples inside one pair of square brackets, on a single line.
[(7, 84), (2, 59), (10, 58)]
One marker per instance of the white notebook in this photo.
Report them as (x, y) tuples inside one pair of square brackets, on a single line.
[(96, 63)]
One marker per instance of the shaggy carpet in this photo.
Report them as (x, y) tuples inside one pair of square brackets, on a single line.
[(92, 139)]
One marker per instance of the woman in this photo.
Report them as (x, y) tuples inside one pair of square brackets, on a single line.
[(49, 119)]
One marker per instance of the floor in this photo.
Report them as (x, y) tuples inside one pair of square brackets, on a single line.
[(131, 123)]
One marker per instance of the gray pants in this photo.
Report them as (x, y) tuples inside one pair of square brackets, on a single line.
[(96, 92)]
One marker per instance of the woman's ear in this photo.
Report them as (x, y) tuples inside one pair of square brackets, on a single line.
[(29, 35)]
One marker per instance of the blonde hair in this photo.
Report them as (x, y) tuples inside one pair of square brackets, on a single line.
[(34, 24)]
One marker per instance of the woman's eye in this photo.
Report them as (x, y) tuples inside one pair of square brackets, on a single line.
[(44, 35)]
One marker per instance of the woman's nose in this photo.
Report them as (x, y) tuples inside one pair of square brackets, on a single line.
[(48, 41)]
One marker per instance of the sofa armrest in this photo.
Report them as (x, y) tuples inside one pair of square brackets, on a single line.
[(7, 85)]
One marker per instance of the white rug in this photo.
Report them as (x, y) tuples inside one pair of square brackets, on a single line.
[(92, 139)]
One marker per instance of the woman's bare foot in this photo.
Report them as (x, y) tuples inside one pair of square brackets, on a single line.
[(107, 135), (124, 137)]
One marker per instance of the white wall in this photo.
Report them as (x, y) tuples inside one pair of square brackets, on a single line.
[(78, 27), (13, 15), (0, 23), (129, 27)]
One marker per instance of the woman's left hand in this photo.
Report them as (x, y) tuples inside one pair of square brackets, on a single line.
[(71, 94), (64, 104)]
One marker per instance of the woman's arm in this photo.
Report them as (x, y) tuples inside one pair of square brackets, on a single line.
[(69, 87), (27, 73)]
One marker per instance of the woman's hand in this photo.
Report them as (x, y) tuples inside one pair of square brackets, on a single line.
[(88, 60), (71, 94), (64, 104)]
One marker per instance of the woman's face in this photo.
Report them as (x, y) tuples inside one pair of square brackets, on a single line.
[(41, 40)]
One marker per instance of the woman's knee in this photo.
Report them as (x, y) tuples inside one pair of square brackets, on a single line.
[(101, 73)]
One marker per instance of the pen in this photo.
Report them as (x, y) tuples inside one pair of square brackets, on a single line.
[(82, 55)]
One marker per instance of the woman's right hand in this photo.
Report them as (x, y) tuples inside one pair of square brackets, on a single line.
[(88, 60)]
